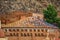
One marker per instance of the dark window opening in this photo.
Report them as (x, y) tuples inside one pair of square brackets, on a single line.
[(25, 35), (42, 30), (17, 29), (26, 30), (39, 34), (35, 34), (30, 30), (35, 30), (59, 36), (13, 29), (6, 30), (38, 30), (14, 34), (9, 29), (11, 34), (22, 30), (21, 34)]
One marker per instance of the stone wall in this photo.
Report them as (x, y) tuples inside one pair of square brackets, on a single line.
[(26, 5)]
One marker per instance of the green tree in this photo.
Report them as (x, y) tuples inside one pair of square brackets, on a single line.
[(58, 22), (50, 15), (50, 12)]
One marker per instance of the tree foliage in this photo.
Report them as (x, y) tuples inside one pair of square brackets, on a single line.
[(50, 12), (50, 15)]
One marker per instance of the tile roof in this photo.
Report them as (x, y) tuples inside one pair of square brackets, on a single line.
[(40, 22), (30, 23)]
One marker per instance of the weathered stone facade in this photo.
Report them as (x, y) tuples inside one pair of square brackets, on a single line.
[(30, 33)]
